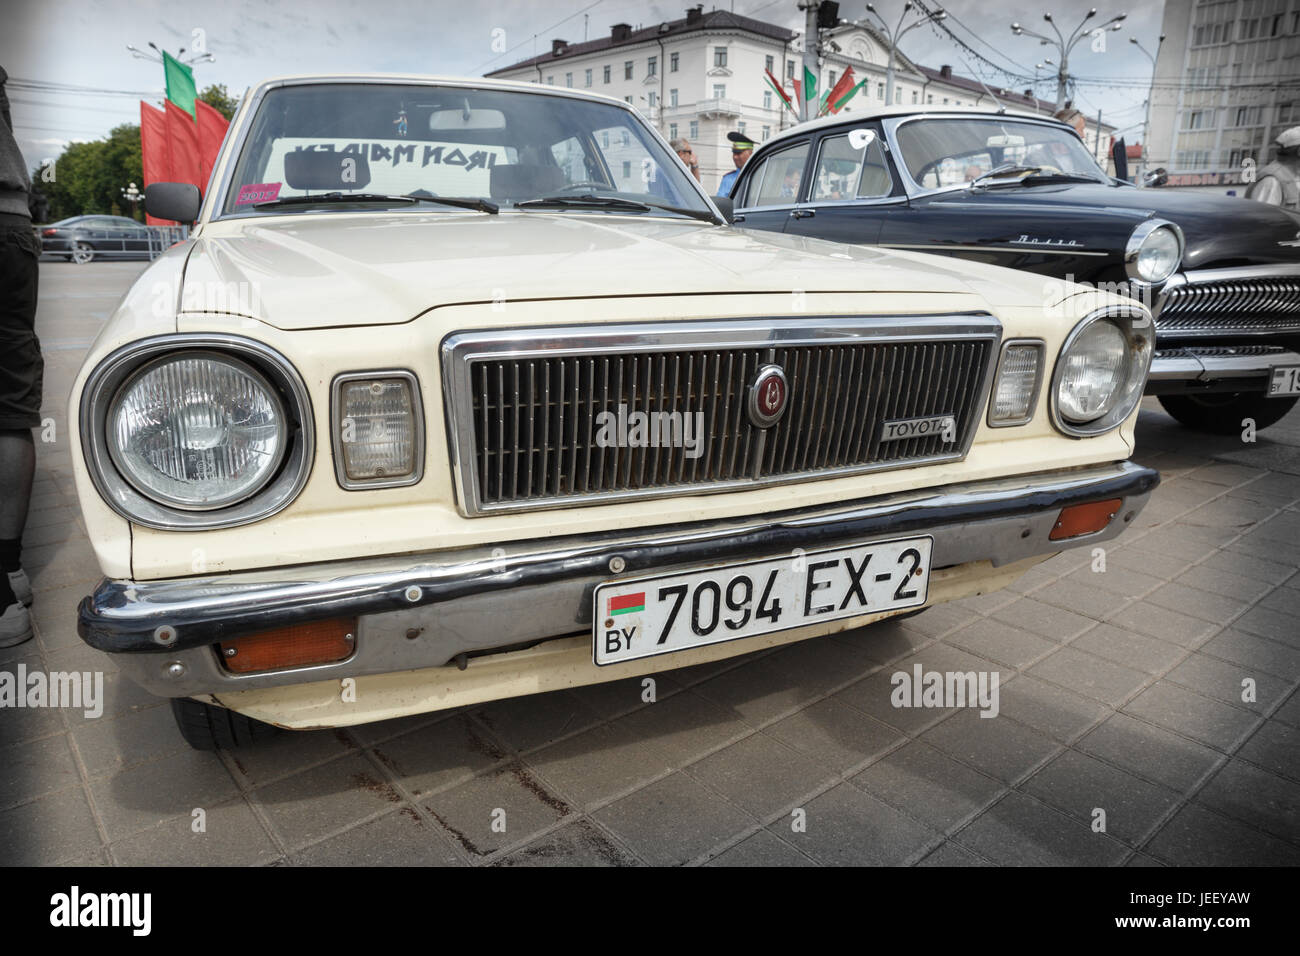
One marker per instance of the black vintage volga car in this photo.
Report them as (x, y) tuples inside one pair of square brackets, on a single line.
[(1221, 274)]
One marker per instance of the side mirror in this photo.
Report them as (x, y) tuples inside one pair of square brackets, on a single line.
[(178, 202), (727, 206), (1119, 156), (1157, 177)]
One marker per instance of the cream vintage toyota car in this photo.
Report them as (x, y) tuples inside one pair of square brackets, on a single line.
[(462, 390)]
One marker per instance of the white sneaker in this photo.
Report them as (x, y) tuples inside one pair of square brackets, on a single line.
[(15, 625), (22, 586)]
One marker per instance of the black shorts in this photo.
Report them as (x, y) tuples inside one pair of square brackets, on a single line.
[(22, 369)]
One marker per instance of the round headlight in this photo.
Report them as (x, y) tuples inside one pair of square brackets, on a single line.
[(197, 431), (1101, 371), (1093, 370), (1155, 251)]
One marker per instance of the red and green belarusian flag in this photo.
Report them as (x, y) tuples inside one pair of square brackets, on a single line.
[(843, 91), (627, 604), (776, 87)]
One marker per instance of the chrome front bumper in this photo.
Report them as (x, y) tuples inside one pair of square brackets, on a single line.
[(1246, 366), (419, 611)]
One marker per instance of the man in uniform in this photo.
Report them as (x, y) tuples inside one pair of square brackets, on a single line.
[(741, 150), (1278, 183)]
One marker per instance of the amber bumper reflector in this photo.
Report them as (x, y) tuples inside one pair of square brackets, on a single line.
[(298, 645), (1084, 519)]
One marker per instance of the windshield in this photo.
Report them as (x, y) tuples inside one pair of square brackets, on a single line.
[(429, 141), (949, 152)]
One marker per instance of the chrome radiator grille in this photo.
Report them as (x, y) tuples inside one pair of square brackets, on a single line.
[(543, 417), (1256, 304)]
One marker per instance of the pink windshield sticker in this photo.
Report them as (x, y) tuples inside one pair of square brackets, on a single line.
[(257, 192)]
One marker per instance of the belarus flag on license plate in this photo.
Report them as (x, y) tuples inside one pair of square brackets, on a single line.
[(627, 603)]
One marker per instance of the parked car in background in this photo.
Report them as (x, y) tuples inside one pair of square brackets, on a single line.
[(85, 238), (510, 407), (1221, 275)]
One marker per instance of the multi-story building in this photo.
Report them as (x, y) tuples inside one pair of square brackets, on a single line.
[(1227, 81), (702, 76)]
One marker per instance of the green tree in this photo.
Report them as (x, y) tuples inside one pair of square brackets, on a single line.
[(88, 178), (220, 100)]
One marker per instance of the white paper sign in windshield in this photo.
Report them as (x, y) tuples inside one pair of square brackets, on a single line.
[(403, 166)]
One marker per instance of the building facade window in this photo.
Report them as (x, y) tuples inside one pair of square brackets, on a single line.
[(627, 100), (830, 80), (568, 80), (768, 63), (607, 72), (914, 96), (587, 77), (880, 91), (740, 127), (627, 69), (672, 131), (674, 60), (672, 97), (767, 133), (627, 169), (767, 99), (789, 69), (695, 130), (650, 98), (550, 80), (652, 66), (719, 56), (719, 91)]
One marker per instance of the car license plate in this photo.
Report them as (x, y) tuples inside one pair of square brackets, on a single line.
[(674, 612), (1285, 381)]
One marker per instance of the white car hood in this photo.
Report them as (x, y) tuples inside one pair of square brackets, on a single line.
[(341, 269)]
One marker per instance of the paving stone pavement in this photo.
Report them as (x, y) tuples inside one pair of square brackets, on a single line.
[(1122, 691)]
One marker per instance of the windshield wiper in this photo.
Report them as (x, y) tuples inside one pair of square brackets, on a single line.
[(482, 205), (610, 202), (587, 201), (1006, 169), (1061, 178)]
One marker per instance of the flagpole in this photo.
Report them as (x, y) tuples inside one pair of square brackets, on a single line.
[(809, 55)]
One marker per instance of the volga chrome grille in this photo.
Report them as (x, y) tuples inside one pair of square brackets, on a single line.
[(542, 417), (1257, 304)]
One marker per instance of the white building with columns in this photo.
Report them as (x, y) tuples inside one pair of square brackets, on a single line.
[(702, 76)]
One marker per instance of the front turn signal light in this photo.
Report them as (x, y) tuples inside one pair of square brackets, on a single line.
[(297, 645), (1084, 519)]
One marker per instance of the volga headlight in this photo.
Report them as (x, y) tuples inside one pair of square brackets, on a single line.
[(1154, 251), (197, 430), (1101, 371)]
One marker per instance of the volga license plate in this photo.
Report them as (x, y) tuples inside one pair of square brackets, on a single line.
[(1285, 380), (674, 612)]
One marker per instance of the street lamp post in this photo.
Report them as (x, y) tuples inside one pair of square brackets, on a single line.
[(1064, 45), (897, 34), (1146, 122)]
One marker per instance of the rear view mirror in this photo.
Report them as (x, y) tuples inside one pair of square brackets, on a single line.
[(178, 202), (726, 206), (441, 120), (324, 169)]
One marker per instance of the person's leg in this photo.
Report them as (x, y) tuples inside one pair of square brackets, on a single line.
[(17, 469), (21, 379)]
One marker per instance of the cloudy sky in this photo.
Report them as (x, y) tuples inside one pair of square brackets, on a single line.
[(82, 44)]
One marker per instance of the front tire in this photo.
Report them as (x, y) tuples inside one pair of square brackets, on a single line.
[(1222, 413), (82, 253), (206, 727)]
